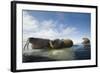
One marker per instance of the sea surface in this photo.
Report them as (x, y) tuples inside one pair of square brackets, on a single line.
[(76, 52)]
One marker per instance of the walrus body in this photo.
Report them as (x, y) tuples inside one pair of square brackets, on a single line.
[(38, 43)]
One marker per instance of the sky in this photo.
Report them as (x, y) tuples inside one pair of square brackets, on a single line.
[(56, 25)]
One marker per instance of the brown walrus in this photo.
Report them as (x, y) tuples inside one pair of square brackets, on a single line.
[(39, 43), (65, 43)]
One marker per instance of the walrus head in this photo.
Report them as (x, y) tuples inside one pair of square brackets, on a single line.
[(85, 41), (31, 39), (68, 43)]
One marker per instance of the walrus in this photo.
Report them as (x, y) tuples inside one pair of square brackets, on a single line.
[(40, 43), (86, 42), (64, 43), (68, 43)]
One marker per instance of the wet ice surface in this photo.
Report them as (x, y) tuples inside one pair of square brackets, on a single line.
[(77, 52)]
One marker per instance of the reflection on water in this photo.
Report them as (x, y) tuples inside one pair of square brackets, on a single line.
[(63, 54), (77, 52)]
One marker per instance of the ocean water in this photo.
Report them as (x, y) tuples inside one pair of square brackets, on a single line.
[(76, 52)]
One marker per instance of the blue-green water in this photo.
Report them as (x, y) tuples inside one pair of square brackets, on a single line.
[(76, 52), (82, 52)]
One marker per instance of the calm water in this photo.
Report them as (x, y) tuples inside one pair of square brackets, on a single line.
[(77, 52)]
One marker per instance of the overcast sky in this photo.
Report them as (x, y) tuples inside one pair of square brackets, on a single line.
[(56, 25)]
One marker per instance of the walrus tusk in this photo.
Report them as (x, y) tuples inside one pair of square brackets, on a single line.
[(51, 45), (26, 45)]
